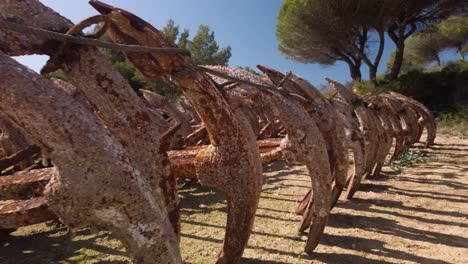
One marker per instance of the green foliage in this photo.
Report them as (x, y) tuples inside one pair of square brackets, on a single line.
[(326, 31), (203, 47), (406, 159), (321, 31), (412, 17), (251, 70), (299, 32), (183, 39), (171, 30), (58, 74), (205, 50), (366, 87), (442, 89), (352, 31), (424, 47), (455, 32)]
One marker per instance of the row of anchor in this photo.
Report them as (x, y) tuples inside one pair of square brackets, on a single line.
[(91, 151)]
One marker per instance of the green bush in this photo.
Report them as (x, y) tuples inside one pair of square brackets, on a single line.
[(442, 90), (406, 158), (366, 87)]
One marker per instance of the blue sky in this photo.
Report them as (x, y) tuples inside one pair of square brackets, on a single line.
[(248, 26)]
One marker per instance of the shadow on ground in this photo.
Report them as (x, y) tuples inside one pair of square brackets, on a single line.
[(370, 213)]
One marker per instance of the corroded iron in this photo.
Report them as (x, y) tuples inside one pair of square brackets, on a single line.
[(16, 214), (427, 119), (27, 153), (99, 127), (303, 144), (25, 184), (367, 126), (232, 162)]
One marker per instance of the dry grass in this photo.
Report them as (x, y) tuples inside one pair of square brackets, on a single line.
[(453, 124), (417, 215)]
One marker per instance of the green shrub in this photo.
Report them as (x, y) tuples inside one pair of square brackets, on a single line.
[(365, 87), (442, 91), (406, 158)]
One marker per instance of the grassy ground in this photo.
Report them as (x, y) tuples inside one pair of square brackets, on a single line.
[(415, 215), (454, 124)]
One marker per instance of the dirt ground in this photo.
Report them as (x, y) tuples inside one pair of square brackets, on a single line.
[(417, 215)]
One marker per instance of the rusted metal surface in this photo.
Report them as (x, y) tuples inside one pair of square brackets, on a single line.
[(27, 153), (232, 162), (16, 214), (183, 162), (353, 140), (408, 118), (103, 163), (367, 127), (12, 141), (303, 143), (110, 145), (326, 118), (25, 184), (164, 105), (385, 140), (394, 129), (331, 129), (197, 137), (187, 107), (427, 117)]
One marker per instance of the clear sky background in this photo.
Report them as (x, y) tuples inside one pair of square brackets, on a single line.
[(248, 26)]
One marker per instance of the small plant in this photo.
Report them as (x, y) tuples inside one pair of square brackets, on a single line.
[(406, 158), (180, 185)]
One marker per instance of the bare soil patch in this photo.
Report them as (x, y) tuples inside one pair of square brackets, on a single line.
[(417, 215)]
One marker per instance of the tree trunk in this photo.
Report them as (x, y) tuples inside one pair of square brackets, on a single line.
[(355, 72), (437, 58), (373, 69), (400, 48), (373, 75)]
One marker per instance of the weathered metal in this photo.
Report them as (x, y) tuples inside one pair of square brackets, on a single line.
[(382, 125), (14, 144), (353, 140), (427, 118), (110, 146), (27, 153), (183, 162), (25, 184), (392, 125), (16, 214), (367, 126), (304, 143), (232, 162), (326, 118), (407, 116), (103, 163), (164, 105)]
